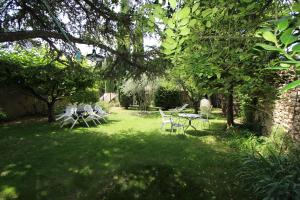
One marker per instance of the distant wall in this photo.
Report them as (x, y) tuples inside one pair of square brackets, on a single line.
[(286, 112), (16, 103)]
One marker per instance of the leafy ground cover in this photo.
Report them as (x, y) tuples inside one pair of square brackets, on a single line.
[(129, 157)]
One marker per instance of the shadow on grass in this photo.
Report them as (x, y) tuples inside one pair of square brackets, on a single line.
[(43, 161)]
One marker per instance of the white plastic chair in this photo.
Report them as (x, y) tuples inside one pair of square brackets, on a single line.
[(62, 115), (91, 115), (179, 109), (69, 116), (168, 119), (205, 111), (100, 112)]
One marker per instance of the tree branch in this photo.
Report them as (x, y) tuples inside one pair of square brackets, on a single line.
[(25, 35)]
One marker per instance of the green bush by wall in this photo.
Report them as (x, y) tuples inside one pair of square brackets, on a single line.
[(125, 100), (167, 98)]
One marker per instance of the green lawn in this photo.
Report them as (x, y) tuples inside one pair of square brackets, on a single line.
[(127, 158)]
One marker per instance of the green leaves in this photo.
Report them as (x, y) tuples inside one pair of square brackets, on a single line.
[(169, 43), (296, 48), (267, 35), (195, 7), (193, 22), (287, 37), (283, 24), (183, 13), (185, 31), (171, 24), (206, 12), (170, 33), (173, 3), (291, 86), (268, 47), (296, 7), (208, 24)]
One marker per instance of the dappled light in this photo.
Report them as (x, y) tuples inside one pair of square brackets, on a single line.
[(121, 159), (149, 99)]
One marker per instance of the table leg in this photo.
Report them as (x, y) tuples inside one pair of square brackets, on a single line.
[(190, 125)]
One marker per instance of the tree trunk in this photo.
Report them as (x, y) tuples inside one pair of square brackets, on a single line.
[(229, 110), (51, 117), (196, 106)]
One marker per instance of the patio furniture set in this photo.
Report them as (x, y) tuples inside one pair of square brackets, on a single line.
[(74, 114), (203, 116)]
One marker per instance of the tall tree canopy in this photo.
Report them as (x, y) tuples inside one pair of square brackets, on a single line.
[(215, 39), (64, 23)]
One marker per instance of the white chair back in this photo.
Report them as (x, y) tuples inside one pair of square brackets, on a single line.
[(70, 111), (162, 113), (80, 107), (98, 108), (205, 102), (88, 109), (205, 111), (183, 107)]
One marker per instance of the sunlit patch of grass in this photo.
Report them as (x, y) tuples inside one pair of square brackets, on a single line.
[(129, 157)]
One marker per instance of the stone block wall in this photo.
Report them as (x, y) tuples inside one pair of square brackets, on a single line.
[(286, 112)]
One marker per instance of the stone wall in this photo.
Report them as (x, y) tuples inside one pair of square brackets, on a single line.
[(16, 103), (286, 112)]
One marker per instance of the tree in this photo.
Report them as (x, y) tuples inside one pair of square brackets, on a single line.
[(282, 37), (48, 81), (64, 23), (220, 34), (142, 89)]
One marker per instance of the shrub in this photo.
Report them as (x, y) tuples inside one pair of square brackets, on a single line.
[(3, 116), (85, 96), (275, 176), (104, 105), (167, 98), (125, 100), (270, 166)]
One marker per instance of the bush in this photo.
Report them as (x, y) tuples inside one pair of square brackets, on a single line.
[(3, 116), (104, 105), (167, 98), (270, 166), (86, 96), (125, 100), (276, 176)]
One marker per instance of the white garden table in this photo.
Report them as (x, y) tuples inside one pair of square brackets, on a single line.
[(190, 117)]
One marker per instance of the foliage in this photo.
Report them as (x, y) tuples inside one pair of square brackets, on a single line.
[(88, 95), (47, 80), (282, 37), (211, 42), (3, 116), (270, 165), (104, 105), (167, 98), (125, 100), (275, 176), (142, 89), (34, 21)]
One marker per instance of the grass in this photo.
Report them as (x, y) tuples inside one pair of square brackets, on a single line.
[(127, 158)]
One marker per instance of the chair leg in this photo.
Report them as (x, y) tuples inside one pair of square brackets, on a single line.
[(94, 122), (98, 121), (85, 122), (74, 123)]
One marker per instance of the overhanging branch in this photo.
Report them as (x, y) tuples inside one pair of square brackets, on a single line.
[(25, 35)]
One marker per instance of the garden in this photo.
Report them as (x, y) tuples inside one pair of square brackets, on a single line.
[(154, 99)]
